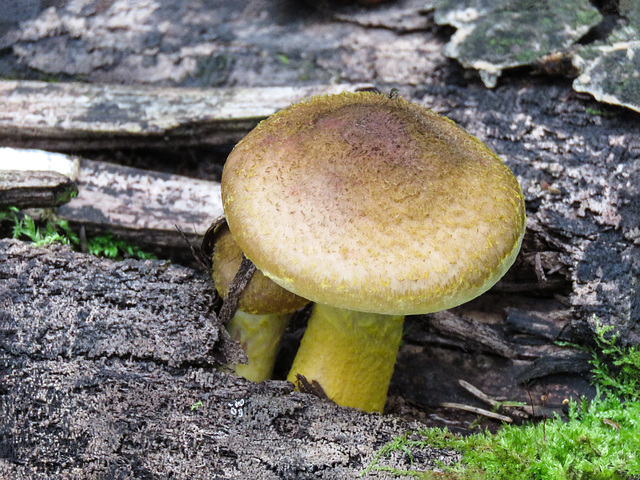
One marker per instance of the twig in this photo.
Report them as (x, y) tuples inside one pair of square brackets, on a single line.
[(476, 392), (479, 411), (197, 253), (239, 283), (522, 411)]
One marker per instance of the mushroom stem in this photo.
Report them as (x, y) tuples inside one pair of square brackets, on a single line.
[(350, 355), (260, 337)]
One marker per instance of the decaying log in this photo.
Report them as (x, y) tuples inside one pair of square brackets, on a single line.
[(98, 309), (154, 210), (249, 43), (580, 261), (77, 116), (34, 189), (108, 370), (150, 209)]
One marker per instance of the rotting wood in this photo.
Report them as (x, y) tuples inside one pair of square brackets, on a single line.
[(79, 116), (236, 43), (96, 308), (579, 171), (144, 207), (34, 189), (110, 368)]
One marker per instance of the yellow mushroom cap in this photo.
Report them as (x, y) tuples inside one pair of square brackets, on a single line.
[(373, 204)]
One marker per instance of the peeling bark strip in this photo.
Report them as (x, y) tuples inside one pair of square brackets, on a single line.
[(76, 116), (237, 286), (107, 370)]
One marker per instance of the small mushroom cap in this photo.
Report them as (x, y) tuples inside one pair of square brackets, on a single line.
[(261, 296), (374, 204)]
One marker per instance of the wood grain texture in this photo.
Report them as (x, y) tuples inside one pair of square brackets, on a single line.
[(580, 174), (146, 208), (160, 211), (109, 370), (35, 189), (75, 116)]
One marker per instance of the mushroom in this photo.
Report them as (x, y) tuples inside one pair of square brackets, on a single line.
[(263, 310), (373, 208)]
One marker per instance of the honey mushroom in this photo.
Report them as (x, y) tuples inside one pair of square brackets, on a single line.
[(373, 208)]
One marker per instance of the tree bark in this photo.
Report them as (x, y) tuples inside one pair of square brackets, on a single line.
[(35, 189), (580, 261), (77, 116), (108, 370)]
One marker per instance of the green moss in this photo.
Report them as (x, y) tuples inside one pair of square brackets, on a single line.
[(25, 228), (55, 230), (598, 439), (110, 247), (586, 16), (600, 112), (615, 369), (283, 58)]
